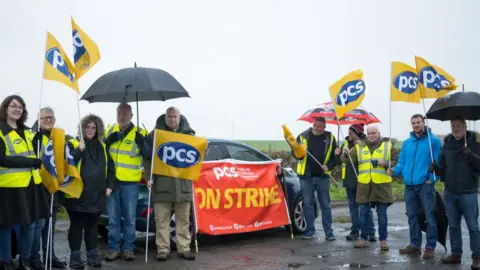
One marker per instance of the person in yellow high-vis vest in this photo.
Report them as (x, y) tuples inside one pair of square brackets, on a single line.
[(40, 237), (22, 200), (97, 170), (314, 177), (374, 188), (349, 177), (125, 144)]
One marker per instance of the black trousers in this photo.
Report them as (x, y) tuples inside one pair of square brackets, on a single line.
[(83, 224)]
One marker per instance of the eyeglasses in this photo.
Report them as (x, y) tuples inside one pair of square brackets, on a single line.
[(14, 106), (48, 118)]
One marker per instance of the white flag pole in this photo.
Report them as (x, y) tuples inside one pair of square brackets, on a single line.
[(150, 191)]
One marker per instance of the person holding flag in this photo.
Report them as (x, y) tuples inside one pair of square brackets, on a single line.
[(97, 171), (22, 198), (313, 173), (413, 164), (42, 132)]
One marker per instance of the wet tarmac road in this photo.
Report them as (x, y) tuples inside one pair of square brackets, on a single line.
[(274, 249)]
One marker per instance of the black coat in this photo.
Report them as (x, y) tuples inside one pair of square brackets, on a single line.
[(20, 205), (93, 198), (459, 169), (350, 180)]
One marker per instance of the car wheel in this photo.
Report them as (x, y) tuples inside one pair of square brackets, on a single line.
[(297, 217), (103, 231), (173, 238)]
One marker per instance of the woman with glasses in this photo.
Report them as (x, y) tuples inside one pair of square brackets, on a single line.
[(22, 200)]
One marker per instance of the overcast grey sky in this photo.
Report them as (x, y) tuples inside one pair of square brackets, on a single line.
[(252, 64)]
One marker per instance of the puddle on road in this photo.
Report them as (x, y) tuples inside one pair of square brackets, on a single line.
[(357, 266), (295, 265)]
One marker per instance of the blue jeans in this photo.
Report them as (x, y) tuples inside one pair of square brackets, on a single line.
[(415, 198), (37, 239), (365, 208), (466, 205), (322, 186), (122, 204), (355, 213), (25, 242)]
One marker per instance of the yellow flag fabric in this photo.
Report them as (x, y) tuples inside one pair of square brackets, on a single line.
[(178, 155), (58, 169), (348, 92), (434, 82), (57, 65), (299, 150), (85, 52), (404, 83)]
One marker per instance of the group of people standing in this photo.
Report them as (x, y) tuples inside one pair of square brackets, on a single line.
[(110, 161), (367, 171)]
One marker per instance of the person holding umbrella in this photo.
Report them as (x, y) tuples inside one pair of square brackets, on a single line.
[(125, 143), (413, 162), (349, 176), (459, 167)]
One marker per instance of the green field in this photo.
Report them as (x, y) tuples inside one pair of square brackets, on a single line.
[(279, 145)]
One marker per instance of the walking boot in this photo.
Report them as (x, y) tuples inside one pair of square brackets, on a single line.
[(112, 256), (7, 265), (57, 263), (76, 260), (360, 243), (410, 250), (187, 255), (352, 236), (452, 259), (372, 238), (475, 262), (93, 258), (384, 246), (429, 253)]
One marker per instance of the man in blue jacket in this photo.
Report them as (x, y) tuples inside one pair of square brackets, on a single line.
[(413, 164)]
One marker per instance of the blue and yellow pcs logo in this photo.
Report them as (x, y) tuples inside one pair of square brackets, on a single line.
[(350, 92), (79, 51), (431, 79), (48, 161), (55, 58), (179, 155), (406, 82)]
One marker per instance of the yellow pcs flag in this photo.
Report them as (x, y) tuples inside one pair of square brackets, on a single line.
[(58, 169), (178, 155), (85, 52), (299, 150), (434, 82), (348, 92), (57, 66), (404, 83)]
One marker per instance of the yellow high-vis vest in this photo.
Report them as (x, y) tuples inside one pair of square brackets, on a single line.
[(16, 146), (366, 171), (126, 155), (302, 164), (344, 165)]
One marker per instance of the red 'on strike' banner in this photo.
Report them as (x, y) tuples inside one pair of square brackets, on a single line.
[(237, 197)]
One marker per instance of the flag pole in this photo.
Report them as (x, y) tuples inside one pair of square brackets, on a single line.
[(149, 181), (79, 116), (195, 228), (428, 134)]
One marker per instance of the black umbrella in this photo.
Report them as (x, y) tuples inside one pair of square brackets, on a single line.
[(442, 221), (465, 105), (133, 85)]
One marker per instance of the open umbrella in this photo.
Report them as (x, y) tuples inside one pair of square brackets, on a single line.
[(442, 220), (327, 111), (133, 85), (464, 105)]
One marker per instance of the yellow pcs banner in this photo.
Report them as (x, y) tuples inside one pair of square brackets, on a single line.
[(57, 66), (85, 52), (348, 92), (404, 83), (58, 169), (178, 155), (434, 81)]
